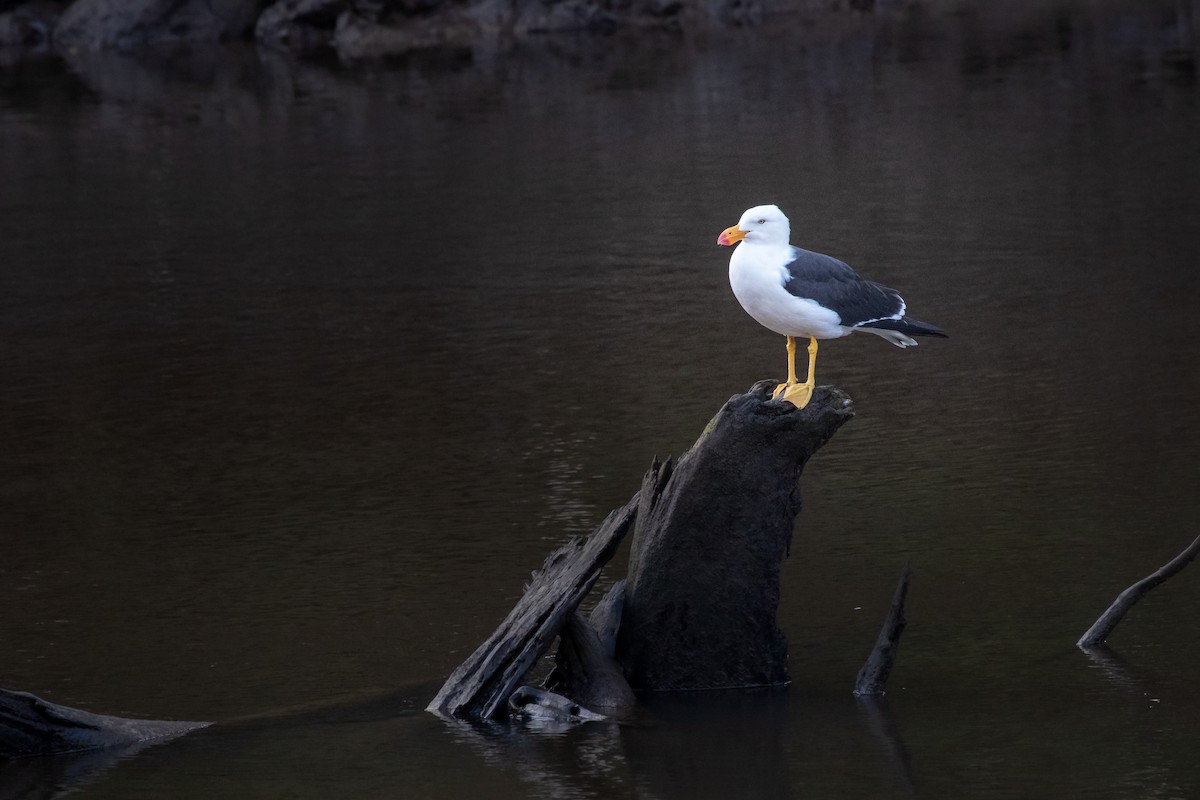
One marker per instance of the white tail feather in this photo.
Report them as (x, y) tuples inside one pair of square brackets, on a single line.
[(895, 337)]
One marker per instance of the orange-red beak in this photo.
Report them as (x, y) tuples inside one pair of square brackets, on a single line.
[(731, 236)]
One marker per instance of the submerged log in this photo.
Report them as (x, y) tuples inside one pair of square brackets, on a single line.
[(31, 726), (1103, 626), (872, 678), (703, 584), (481, 686)]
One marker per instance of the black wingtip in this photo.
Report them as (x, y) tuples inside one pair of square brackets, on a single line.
[(910, 327)]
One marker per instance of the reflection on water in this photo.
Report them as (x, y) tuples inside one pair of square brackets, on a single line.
[(305, 366), (48, 778)]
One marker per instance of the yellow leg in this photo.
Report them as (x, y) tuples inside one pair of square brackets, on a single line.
[(791, 378), (796, 393)]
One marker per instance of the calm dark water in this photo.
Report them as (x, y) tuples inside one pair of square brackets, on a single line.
[(304, 367)]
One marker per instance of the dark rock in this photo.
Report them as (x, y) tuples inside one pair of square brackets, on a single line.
[(703, 584), (28, 24), (372, 28), (126, 24), (300, 25), (448, 25)]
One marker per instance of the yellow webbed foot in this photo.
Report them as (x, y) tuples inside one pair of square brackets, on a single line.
[(798, 394)]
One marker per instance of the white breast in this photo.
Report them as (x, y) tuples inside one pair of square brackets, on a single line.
[(757, 274)]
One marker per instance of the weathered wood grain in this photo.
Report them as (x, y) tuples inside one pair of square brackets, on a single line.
[(480, 686)]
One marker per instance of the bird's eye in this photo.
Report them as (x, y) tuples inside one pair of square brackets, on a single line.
[(762, 222)]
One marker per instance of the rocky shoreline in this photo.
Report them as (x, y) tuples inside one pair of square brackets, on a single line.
[(365, 28)]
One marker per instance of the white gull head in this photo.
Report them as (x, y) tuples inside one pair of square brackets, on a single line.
[(765, 225)]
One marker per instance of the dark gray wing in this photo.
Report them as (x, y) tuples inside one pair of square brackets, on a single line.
[(833, 284)]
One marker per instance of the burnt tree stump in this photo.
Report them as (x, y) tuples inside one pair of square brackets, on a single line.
[(703, 584), (698, 608)]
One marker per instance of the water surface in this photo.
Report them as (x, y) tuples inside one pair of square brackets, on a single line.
[(304, 367)]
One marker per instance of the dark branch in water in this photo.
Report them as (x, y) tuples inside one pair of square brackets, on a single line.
[(31, 726), (872, 678), (1103, 626)]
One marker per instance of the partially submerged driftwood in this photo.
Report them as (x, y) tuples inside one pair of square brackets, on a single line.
[(585, 664), (482, 684), (872, 678), (703, 588), (548, 707), (704, 566), (697, 611), (31, 726), (587, 672), (1103, 626), (605, 618)]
